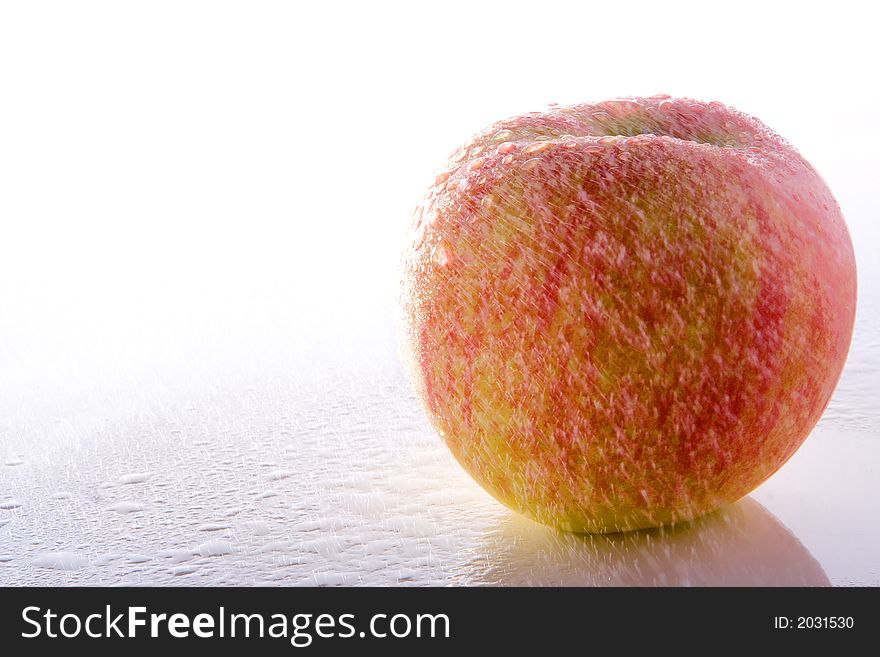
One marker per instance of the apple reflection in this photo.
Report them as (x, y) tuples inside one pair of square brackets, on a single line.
[(741, 545)]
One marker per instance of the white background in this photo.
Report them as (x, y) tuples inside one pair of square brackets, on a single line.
[(203, 196)]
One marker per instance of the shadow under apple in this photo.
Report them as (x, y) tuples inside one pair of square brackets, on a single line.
[(740, 545)]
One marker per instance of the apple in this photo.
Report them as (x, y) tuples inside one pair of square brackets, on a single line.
[(626, 314)]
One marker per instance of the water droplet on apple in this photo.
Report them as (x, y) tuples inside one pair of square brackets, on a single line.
[(537, 147), (420, 234), (440, 254)]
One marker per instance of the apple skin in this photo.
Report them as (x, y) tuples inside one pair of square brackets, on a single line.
[(626, 314)]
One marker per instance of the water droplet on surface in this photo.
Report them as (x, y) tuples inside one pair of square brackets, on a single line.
[(421, 233), (476, 164), (440, 254), (184, 570), (139, 558), (215, 549), (502, 135), (537, 147), (528, 165), (278, 475), (135, 478), (127, 507), (60, 561)]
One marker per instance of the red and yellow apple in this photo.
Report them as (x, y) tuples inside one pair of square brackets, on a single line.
[(626, 314)]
